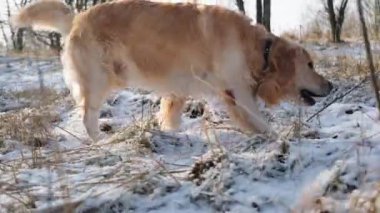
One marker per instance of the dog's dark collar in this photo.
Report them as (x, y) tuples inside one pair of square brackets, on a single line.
[(259, 79), (267, 47)]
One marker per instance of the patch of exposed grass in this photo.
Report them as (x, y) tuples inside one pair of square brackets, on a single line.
[(46, 96), (32, 127), (344, 67), (30, 53)]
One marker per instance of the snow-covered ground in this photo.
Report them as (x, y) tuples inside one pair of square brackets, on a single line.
[(331, 163)]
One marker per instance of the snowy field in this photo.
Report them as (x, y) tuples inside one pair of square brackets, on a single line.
[(330, 162)]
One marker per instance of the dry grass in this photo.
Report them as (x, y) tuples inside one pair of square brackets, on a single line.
[(138, 135), (203, 165), (366, 201), (41, 53), (345, 67), (44, 97), (312, 32), (318, 29), (359, 201), (29, 126), (289, 35)]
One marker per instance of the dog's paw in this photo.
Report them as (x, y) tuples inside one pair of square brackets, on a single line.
[(87, 141), (96, 138), (101, 136), (168, 125)]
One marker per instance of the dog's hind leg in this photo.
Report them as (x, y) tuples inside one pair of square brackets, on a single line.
[(170, 112), (86, 76), (90, 113), (94, 96), (89, 95)]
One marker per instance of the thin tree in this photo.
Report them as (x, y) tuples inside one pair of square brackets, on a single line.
[(240, 5), (377, 17), (336, 18), (267, 14), (263, 13), (16, 36), (259, 11), (4, 34), (369, 53), (69, 2)]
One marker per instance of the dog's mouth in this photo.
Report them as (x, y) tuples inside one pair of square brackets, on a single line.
[(308, 97)]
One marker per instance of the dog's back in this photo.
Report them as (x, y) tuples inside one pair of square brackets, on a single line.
[(154, 41), (170, 29)]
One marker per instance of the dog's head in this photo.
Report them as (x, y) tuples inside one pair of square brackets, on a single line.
[(288, 73)]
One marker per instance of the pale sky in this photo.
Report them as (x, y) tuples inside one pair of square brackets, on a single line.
[(286, 14)]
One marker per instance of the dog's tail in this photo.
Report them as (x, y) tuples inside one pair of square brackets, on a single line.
[(51, 15)]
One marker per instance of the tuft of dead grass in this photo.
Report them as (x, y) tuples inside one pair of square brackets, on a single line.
[(200, 167), (366, 200), (359, 201), (32, 127), (138, 135)]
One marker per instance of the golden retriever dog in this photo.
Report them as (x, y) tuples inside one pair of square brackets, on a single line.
[(177, 50)]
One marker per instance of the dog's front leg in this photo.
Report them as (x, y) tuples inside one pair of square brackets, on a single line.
[(170, 112), (244, 110)]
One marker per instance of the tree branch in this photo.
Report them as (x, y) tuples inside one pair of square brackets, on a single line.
[(369, 54)]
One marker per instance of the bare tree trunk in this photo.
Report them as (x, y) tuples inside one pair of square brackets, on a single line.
[(79, 5), (18, 40), (267, 14), (17, 37), (336, 19), (240, 5), (377, 17), (340, 19), (369, 54), (9, 18), (332, 19), (259, 12), (4, 35), (69, 2)]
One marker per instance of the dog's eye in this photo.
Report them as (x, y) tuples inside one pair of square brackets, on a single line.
[(311, 65)]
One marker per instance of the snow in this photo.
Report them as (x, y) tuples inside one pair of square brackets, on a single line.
[(206, 166)]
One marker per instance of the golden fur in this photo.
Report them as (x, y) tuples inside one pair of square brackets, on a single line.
[(176, 50)]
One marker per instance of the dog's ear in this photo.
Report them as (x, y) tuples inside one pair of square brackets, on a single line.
[(283, 71), (284, 60), (270, 91)]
